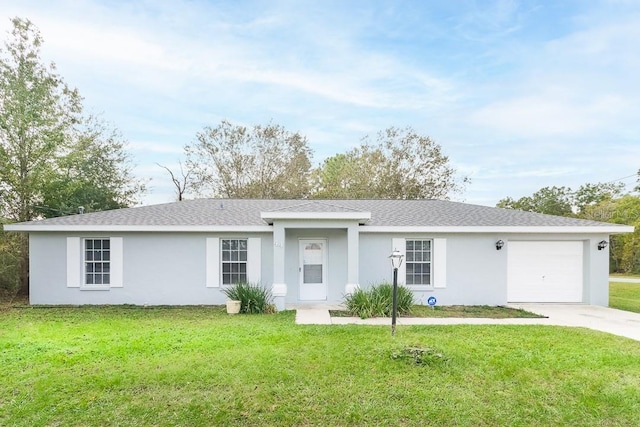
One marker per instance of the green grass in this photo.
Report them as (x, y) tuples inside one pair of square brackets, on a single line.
[(624, 296), (482, 311), (198, 366), (478, 311)]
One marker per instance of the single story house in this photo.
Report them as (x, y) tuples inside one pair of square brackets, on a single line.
[(316, 251)]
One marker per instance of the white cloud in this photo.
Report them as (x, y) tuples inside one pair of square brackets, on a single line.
[(155, 147), (552, 114), (518, 93)]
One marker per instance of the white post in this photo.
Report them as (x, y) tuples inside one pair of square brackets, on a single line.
[(279, 289), (353, 259)]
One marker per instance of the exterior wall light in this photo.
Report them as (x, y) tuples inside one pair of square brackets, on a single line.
[(396, 261), (499, 245), (602, 244)]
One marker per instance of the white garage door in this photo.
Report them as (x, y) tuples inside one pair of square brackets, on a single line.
[(544, 272)]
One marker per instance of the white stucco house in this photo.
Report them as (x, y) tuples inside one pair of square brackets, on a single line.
[(311, 252)]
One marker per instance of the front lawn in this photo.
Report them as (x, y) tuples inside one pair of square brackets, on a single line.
[(199, 367), (465, 311), (624, 296)]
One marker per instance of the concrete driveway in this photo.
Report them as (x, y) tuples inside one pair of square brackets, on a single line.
[(617, 322)]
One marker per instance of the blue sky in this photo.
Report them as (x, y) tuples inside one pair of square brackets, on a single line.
[(519, 94)]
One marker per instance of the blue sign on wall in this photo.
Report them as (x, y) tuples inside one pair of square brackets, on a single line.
[(432, 301)]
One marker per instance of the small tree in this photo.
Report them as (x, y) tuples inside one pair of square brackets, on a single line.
[(265, 162), (52, 160), (400, 164), (182, 182), (37, 113), (95, 173)]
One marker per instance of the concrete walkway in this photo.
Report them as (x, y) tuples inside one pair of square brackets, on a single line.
[(617, 322), (624, 279)]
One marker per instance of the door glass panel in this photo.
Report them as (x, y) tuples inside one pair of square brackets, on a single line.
[(312, 263), (313, 273)]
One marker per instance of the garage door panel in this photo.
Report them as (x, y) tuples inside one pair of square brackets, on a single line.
[(545, 272)]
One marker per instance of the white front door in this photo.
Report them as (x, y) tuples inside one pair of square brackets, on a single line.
[(313, 270)]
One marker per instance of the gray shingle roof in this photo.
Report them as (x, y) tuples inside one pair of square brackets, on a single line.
[(246, 212)]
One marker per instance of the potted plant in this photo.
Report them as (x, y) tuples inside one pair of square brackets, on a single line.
[(250, 298), (233, 307)]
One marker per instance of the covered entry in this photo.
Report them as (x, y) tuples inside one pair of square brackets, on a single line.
[(545, 271)]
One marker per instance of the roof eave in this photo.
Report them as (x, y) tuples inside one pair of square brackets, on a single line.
[(141, 228), (549, 229), (604, 229)]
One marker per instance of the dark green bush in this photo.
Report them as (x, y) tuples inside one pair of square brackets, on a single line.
[(377, 301), (253, 298), (10, 257)]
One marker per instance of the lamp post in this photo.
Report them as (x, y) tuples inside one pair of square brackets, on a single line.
[(396, 261)]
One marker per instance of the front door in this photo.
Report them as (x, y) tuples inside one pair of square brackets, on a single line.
[(313, 270)]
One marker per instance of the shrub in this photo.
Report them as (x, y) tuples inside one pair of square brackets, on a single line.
[(377, 301), (10, 257), (253, 298)]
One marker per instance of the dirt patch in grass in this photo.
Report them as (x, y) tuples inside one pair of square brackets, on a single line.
[(477, 311)]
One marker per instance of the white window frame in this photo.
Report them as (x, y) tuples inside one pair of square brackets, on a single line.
[(94, 263), (242, 264), (76, 263), (438, 262), (213, 254), (421, 262)]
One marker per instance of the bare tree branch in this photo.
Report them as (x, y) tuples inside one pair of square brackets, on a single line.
[(182, 182)]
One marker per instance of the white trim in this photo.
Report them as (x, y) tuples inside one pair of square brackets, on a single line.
[(270, 216), (212, 262), (117, 259), (74, 262), (605, 229), (142, 228), (254, 259), (95, 288), (350, 288), (279, 290), (439, 260)]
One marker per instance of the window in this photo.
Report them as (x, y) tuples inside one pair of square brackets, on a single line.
[(234, 261), (97, 261), (418, 262)]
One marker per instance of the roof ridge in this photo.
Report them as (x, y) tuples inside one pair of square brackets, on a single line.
[(292, 206), (312, 202), (322, 202)]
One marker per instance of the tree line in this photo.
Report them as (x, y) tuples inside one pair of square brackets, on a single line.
[(267, 161)]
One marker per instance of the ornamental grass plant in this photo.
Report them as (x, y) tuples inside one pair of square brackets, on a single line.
[(377, 301), (254, 299)]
